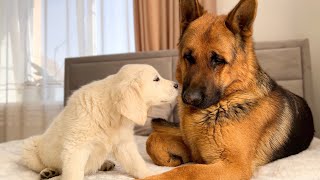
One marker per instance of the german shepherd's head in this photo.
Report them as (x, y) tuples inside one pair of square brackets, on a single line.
[(216, 52)]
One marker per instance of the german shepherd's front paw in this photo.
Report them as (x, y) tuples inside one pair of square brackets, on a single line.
[(160, 121), (167, 150)]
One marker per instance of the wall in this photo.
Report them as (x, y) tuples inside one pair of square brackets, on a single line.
[(289, 19)]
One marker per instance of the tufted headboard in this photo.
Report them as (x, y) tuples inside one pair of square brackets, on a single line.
[(288, 62)]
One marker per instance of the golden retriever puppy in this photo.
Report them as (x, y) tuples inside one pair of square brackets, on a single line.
[(98, 120)]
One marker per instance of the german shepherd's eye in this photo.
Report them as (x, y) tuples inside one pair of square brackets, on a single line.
[(217, 60), (156, 79), (188, 56)]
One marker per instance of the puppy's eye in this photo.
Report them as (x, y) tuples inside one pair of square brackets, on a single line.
[(156, 79), (188, 56), (217, 60)]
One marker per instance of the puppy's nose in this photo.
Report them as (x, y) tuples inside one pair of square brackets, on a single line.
[(176, 85), (192, 97)]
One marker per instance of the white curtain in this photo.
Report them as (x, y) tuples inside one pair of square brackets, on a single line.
[(35, 38)]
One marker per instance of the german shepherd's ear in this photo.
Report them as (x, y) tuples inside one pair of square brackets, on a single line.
[(190, 10), (240, 19)]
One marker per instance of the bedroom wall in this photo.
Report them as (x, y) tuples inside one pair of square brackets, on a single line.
[(289, 19)]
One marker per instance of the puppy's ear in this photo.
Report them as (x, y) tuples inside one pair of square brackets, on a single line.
[(190, 10), (240, 19), (129, 101)]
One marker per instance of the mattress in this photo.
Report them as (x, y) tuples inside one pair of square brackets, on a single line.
[(305, 165)]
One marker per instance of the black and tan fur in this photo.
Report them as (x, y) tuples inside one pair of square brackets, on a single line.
[(233, 116)]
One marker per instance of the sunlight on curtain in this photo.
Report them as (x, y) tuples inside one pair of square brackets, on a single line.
[(35, 38)]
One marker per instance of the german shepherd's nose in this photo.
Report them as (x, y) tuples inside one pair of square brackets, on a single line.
[(192, 97)]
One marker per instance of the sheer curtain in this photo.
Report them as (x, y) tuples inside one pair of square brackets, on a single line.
[(35, 38)]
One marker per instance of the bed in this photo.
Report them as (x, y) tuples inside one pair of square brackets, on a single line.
[(288, 62), (304, 166)]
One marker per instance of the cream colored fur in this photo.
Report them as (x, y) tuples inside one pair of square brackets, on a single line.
[(98, 120)]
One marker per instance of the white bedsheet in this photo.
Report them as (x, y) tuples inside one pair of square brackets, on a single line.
[(304, 166)]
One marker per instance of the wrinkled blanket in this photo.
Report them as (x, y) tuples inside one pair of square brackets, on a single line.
[(304, 166)]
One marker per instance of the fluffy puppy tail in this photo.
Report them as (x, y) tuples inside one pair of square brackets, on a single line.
[(30, 157), (163, 126)]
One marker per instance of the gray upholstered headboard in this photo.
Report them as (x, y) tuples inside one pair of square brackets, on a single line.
[(288, 62)]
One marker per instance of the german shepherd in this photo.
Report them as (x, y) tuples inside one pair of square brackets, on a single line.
[(233, 116)]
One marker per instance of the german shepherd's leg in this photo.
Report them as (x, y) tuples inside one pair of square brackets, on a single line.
[(218, 171), (167, 150), (165, 145)]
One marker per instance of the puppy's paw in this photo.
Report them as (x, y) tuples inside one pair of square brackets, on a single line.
[(107, 166), (48, 173)]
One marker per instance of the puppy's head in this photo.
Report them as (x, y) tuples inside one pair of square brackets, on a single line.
[(140, 86), (157, 90), (215, 52)]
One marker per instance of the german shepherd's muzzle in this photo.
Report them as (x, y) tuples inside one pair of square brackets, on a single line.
[(198, 90)]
